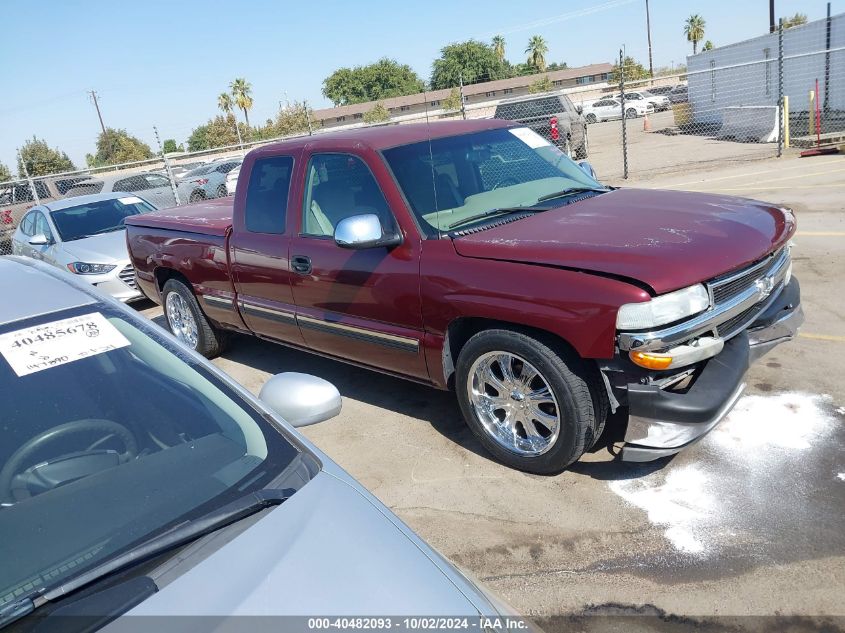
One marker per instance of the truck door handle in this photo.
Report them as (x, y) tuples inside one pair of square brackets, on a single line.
[(301, 264)]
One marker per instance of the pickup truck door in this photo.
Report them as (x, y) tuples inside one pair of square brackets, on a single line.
[(360, 305), (259, 245)]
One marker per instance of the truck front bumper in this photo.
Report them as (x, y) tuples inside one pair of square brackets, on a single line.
[(663, 422)]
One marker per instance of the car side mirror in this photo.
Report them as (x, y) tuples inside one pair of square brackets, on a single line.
[(364, 231), (588, 169), (40, 240), (301, 399)]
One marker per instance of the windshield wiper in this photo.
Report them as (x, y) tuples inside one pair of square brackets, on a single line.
[(192, 530), (109, 229), (566, 192), (492, 212)]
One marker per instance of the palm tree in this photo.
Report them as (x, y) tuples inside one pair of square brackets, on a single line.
[(499, 47), (537, 49), (224, 102), (242, 92), (694, 30)]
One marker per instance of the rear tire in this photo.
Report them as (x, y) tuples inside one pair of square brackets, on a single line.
[(196, 196), (591, 118), (540, 426), (630, 113), (187, 322)]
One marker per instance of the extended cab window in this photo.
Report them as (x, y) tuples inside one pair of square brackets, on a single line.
[(337, 187), (267, 195)]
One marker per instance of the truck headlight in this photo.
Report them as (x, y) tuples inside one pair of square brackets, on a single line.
[(663, 309), (82, 268)]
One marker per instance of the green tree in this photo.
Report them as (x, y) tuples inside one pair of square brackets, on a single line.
[(290, 121), (707, 46), (557, 66), (217, 132), (537, 49), (694, 30), (41, 159), (384, 79), (224, 102), (116, 146), (242, 94), (796, 20), (453, 101), (498, 43), (377, 114), (633, 71), (5, 174), (170, 146), (472, 61), (541, 84)]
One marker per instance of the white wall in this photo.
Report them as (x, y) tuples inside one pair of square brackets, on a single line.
[(741, 76)]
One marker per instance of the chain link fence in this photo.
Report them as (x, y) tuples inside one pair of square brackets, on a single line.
[(746, 101)]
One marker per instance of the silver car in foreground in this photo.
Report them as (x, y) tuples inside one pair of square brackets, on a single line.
[(86, 236), (137, 479)]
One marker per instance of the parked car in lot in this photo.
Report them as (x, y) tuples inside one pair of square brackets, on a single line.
[(136, 478), (660, 90), (679, 94), (16, 197), (660, 102), (86, 236), (155, 188), (555, 118), (475, 256), (608, 109), (232, 180), (207, 181)]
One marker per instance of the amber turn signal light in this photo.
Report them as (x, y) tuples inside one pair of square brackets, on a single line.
[(651, 361)]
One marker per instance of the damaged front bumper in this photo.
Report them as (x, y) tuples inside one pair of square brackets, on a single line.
[(664, 421)]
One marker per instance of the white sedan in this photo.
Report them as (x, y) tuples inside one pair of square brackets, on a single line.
[(611, 108), (84, 235), (232, 180), (660, 102)]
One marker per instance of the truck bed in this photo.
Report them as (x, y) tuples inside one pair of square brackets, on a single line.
[(209, 217)]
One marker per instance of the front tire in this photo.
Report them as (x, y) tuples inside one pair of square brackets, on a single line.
[(531, 403), (591, 118), (631, 113), (186, 320)]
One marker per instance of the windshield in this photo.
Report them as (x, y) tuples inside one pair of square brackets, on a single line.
[(103, 452), (451, 179), (94, 218)]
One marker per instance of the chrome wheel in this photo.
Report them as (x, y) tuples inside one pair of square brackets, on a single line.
[(514, 403), (181, 319)]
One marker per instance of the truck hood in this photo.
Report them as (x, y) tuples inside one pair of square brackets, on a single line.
[(329, 550), (665, 239)]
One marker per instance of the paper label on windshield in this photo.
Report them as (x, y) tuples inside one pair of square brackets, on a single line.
[(44, 346), (529, 137), (130, 200)]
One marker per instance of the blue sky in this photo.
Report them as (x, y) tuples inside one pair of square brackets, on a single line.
[(157, 62)]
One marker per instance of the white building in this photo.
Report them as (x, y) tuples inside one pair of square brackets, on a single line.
[(746, 73)]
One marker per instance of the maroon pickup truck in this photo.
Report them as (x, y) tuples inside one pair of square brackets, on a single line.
[(475, 256)]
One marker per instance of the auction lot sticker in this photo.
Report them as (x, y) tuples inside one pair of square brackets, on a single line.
[(43, 346)]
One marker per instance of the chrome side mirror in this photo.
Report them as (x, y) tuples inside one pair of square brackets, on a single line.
[(40, 240), (301, 399), (588, 169), (363, 231)]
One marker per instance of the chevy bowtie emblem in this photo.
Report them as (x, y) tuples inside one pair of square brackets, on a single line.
[(765, 285)]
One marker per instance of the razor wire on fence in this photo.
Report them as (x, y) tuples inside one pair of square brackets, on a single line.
[(745, 101)]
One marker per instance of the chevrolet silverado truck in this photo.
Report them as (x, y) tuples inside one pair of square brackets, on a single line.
[(476, 256)]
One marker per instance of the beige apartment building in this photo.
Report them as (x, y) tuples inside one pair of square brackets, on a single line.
[(489, 92)]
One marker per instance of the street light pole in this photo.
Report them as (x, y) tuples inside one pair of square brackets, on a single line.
[(648, 29)]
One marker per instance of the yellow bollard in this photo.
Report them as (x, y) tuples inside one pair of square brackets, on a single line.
[(786, 120), (812, 112)]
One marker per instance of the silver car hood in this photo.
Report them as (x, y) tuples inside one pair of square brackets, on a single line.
[(331, 549), (98, 249)]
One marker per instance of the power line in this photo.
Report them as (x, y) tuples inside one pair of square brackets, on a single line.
[(612, 4)]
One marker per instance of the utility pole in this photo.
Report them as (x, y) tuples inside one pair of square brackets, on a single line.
[(167, 169), (772, 27), (461, 92), (648, 29), (97, 106)]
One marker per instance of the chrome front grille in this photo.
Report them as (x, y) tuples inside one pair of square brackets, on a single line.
[(127, 276), (765, 277), (728, 286)]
